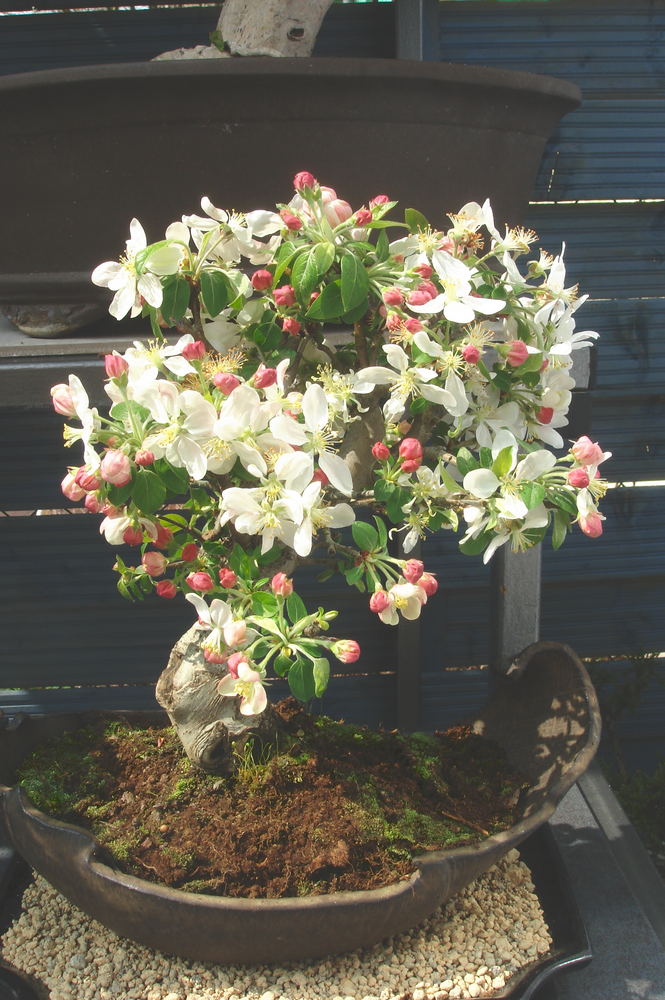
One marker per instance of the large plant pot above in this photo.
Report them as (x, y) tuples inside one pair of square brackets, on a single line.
[(545, 715), (86, 149)]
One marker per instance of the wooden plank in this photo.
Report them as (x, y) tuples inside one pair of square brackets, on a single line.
[(633, 429), (630, 355)]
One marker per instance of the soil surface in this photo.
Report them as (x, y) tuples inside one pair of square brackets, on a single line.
[(340, 807)]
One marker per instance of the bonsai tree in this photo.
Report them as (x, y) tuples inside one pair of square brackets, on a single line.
[(321, 381)]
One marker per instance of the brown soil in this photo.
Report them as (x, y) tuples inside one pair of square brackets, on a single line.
[(342, 808)]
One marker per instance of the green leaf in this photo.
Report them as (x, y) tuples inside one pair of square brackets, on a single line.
[(295, 608), (125, 411), (355, 575), (310, 267), (415, 220), (564, 499), (176, 291), (216, 292), (264, 603), (503, 462), (267, 625), (301, 680), (355, 282), (321, 673), (175, 480), (474, 546), (382, 247), (532, 494), (328, 305), (353, 315), (451, 485), (384, 490), (119, 495), (395, 505), (559, 528), (365, 536), (382, 532), (282, 664), (466, 462), (149, 492)]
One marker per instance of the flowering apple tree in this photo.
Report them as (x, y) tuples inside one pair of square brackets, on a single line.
[(330, 369)]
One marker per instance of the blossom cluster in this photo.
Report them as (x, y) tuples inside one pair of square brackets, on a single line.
[(323, 377)]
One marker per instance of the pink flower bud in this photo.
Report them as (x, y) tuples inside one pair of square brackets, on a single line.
[(200, 581), (346, 650), (363, 216), (166, 588), (92, 504), (227, 577), (517, 353), (70, 487), (194, 351), (285, 296), (234, 633), (314, 296), (132, 536), (61, 396), (410, 449), (190, 552), (379, 601), (428, 286), (115, 365), (413, 570), (264, 377), (586, 451), (424, 270), (393, 296), (380, 451), (154, 563), (87, 480), (379, 199), (144, 457), (291, 326), (592, 525), (116, 468), (544, 415), (579, 478), (428, 583), (319, 476), (419, 297), (234, 661), (226, 382), (337, 211), (163, 538), (413, 325), (291, 221), (411, 464), (303, 179), (328, 194), (261, 280), (471, 354), (281, 584)]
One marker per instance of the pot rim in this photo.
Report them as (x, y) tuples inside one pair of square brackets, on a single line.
[(392, 71)]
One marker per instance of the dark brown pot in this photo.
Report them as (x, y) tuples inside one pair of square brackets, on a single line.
[(86, 149), (546, 716)]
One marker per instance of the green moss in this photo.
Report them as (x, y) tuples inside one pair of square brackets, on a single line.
[(58, 786)]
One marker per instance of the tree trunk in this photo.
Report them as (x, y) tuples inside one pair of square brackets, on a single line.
[(214, 734), (271, 27)]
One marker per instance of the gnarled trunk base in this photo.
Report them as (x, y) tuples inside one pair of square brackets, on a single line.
[(214, 735)]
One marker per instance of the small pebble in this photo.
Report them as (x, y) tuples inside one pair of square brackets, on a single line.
[(469, 948)]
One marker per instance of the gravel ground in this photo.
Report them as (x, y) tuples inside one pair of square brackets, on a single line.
[(469, 948)]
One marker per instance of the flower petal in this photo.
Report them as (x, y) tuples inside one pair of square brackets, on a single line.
[(482, 483)]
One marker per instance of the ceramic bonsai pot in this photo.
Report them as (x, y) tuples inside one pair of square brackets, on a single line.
[(544, 713), (87, 148)]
